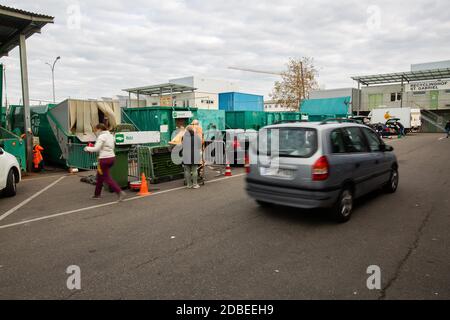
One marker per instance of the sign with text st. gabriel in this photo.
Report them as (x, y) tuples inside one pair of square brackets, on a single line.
[(428, 85)]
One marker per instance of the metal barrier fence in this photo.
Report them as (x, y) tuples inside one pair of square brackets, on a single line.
[(138, 162), (78, 158)]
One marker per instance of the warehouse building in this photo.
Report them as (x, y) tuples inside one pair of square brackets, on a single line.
[(426, 86), (193, 91)]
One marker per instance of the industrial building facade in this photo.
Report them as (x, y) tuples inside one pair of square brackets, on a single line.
[(426, 86)]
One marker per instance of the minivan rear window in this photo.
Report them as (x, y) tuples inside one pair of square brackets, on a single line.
[(292, 142)]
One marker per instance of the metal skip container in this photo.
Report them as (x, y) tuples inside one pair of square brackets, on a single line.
[(166, 120), (245, 119)]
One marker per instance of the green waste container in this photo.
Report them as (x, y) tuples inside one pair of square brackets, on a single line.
[(157, 119), (119, 172), (245, 119), (14, 145)]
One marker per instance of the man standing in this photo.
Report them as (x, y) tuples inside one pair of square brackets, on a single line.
[(447, 128), (192, 148)]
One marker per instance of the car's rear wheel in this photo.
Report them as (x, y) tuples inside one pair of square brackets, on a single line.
[(263, 204), (392, 185), (343, 208), (10, 189)]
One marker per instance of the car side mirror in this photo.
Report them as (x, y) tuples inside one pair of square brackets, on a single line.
[(386, 148), (1, 151)]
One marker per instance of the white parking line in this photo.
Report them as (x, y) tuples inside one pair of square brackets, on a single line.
[(9, 212), (103, 204), (25, 179)]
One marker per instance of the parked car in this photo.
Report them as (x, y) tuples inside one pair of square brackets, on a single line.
[(321, 165), (9, 173), (361, 119), (396, 125), (383, 130)]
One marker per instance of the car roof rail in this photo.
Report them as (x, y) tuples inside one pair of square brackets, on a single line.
[(339, 120), (289, 121)]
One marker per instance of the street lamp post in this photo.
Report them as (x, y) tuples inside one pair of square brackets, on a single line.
[(52, 66)]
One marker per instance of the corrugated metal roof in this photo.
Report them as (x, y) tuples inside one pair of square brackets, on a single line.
[(27, 13), (14, 22), (160, 89), (432, 74)]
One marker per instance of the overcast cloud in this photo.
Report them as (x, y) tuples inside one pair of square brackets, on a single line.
[(119, 44)]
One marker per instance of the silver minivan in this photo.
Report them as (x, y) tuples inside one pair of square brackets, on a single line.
[(320, 165)]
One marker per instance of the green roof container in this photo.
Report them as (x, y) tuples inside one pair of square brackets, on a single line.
[(245, 119), (162, 119)]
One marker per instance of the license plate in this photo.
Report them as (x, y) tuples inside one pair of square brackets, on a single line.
[(276, 172)]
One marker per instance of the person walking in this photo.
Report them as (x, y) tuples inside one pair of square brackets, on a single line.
[(105, 147), (192, 148), (447, 128)]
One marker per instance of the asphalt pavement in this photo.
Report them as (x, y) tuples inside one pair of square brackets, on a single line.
[(217, 243)]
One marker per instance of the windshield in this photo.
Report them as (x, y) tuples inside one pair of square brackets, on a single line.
[(288, 142)]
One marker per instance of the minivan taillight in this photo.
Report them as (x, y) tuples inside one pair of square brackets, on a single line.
[(320, 169)]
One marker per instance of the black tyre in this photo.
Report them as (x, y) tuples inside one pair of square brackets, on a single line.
[(263, 204), (392, 185), (10, 189), (343, 208)]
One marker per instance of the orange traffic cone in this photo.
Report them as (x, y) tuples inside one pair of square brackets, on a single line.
[(228, 170), (144, 187)]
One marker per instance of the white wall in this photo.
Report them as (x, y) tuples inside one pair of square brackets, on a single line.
[(272, 106), (430, 65), (201, 100), (203, 84)]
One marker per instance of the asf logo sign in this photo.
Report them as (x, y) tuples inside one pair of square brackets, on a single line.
[(35, 123), (120, 138)]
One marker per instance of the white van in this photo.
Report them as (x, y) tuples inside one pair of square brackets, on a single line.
[(9, 173)]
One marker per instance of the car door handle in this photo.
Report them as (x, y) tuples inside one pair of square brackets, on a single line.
[(377, 161), (357, 165)]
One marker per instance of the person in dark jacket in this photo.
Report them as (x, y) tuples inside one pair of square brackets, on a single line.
[(192, 157), (447, 128)]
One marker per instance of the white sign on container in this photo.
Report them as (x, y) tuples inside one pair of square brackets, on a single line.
[(182, 114), (137, 137)]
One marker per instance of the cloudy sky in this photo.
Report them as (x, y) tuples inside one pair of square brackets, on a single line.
[(108, 45)]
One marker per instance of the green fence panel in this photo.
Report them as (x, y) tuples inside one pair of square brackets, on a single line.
[(78, 158), (157, 164)]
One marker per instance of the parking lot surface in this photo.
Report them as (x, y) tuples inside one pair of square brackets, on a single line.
[(216, 243)]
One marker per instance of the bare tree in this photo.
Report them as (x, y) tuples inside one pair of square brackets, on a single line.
[(296, 83)]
